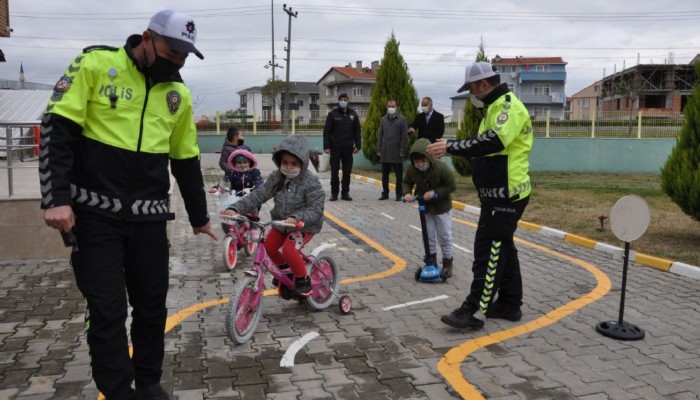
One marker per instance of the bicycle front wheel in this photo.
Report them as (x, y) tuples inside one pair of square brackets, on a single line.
[(325, 279), (230, 252), (251, 244), (243, 316)]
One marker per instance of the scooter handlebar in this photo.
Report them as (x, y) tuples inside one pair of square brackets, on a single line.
[(419, 198)]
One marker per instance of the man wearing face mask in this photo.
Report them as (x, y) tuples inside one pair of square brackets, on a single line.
[(429, 123), (341, 139), (117, 119), (500, 171), (391, 146)]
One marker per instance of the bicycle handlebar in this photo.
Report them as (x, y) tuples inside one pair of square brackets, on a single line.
[(243, 218)]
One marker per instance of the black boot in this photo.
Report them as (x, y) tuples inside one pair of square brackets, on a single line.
[(463, 318), (302, 286), (447, 266), (431, 259)]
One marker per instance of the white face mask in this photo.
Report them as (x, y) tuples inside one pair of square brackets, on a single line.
[(391, 110), (342, 104), (476, 102), (290, 173), (422, 168), (425, 109)]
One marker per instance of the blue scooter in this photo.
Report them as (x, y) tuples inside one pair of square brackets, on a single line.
[(431, 272)]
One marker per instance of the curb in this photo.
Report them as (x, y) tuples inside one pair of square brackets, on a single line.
[(618, 253)]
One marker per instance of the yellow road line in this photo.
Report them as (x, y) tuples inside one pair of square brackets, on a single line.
[(450, 366)]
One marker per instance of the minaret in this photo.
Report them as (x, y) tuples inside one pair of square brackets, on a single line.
[(21, 76)]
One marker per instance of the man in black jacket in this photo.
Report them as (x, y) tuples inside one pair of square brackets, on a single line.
[(341, 139), (429, 123)]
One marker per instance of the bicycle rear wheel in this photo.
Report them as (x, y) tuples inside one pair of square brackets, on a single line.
[(325, 279), (242, 317)]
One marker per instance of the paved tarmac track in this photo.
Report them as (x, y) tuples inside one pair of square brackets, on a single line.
[(392, 345)]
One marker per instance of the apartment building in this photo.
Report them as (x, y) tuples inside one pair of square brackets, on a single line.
[(539, 82)]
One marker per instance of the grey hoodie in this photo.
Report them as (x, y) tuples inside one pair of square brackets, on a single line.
[(301, 197)]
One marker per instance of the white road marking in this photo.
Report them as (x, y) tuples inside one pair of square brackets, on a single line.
[(461, 248), (415, 227), (410, 303), (288, 358), (388, 216)]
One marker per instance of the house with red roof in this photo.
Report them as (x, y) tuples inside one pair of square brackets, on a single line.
[(356, 81)]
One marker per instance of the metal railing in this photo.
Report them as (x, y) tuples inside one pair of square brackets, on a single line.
[(17, 141), (616, 125)]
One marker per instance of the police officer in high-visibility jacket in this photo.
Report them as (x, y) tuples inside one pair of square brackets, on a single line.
[(117, 118), (500, 171)]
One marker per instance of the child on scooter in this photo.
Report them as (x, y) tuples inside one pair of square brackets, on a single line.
[(431, 176), (298, 196)]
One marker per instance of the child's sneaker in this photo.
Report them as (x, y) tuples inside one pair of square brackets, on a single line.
[(302, 286)]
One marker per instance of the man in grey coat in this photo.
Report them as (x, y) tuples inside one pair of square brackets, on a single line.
[(393, 134)]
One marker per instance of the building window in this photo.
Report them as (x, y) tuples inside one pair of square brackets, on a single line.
[(585, 103), (328, 91), (541, 68), (314, 99), (301, 103), (542, 89), (539, 112), (243, 100), (357, 91)]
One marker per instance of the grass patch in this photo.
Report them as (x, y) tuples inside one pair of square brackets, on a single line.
[(572, 202)]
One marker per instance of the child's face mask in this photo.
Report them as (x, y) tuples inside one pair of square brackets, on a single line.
[(290, 172), (242, 166), (421, 165)]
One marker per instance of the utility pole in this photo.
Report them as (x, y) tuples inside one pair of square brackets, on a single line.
[(288, 48), (272, 64)]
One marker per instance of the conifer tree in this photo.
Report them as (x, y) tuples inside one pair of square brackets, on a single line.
[(470, 123), (680, 175), (393, 82)]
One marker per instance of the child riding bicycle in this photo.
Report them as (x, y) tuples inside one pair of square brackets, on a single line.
[(298, 196)]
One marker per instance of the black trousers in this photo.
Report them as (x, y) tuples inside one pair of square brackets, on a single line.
[(340, 158), (398, 171), (115, 258), (496, 266)]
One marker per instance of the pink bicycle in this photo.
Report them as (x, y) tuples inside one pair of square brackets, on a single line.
[(239, 235), (245, 307)]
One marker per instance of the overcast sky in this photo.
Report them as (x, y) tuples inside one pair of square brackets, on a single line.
[(437, 39)]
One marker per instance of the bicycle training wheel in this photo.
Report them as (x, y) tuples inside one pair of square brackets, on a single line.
[(230, 252), (324, 281), (242, 317)]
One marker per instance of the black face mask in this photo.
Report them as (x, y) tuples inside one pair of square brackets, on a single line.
[(162, 70), (240, 142)]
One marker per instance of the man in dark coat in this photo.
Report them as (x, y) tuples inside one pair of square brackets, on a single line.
[(429, 123), (393, 134), (341, 139)]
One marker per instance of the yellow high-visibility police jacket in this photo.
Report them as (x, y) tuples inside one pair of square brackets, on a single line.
[(500, 151), (109, 134)]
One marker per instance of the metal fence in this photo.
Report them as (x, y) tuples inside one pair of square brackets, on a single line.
[(18, 141), (620, 125)]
